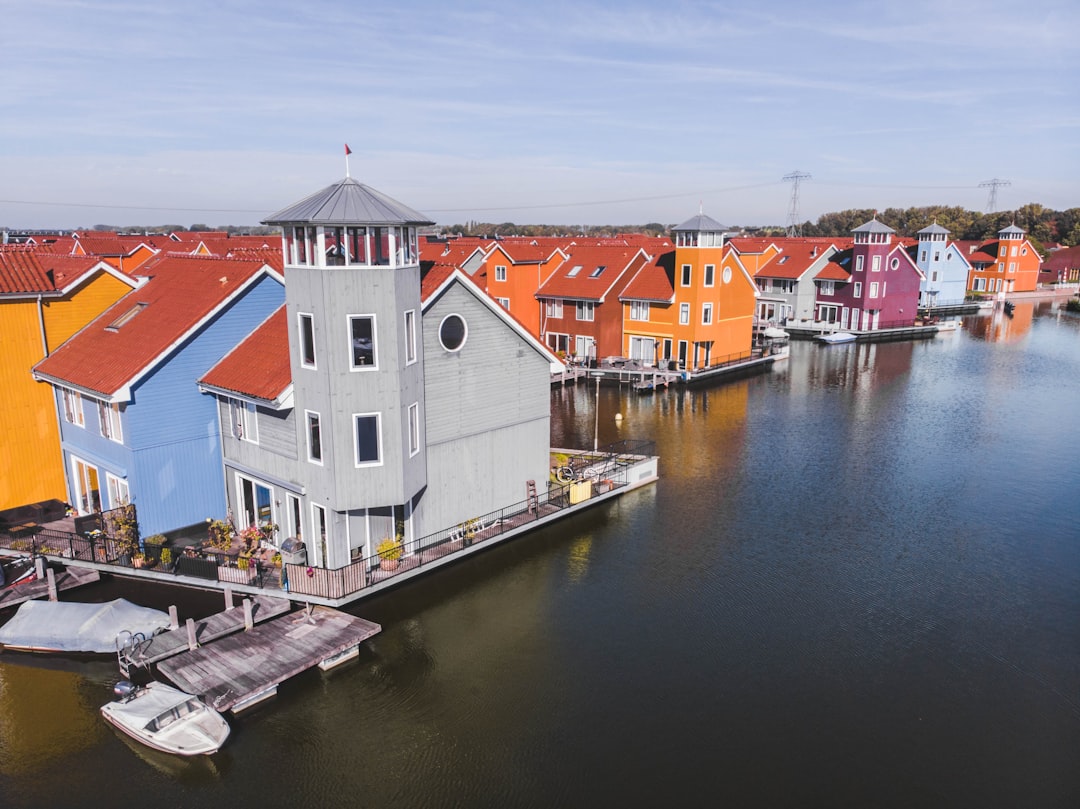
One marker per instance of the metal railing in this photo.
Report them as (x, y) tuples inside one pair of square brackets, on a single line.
[(592, 474)]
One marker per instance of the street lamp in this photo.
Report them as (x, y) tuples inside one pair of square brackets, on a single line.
[(596, 407)]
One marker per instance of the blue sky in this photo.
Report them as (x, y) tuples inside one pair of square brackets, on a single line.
[(557, 112)]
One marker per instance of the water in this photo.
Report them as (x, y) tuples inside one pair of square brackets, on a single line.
[(857, 584)]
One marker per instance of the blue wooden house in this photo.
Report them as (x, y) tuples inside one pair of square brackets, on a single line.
[(134, 425)]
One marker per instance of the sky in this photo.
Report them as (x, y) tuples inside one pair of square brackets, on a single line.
[(572, 113)]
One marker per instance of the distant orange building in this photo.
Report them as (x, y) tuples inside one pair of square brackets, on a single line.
[(1007, 264)]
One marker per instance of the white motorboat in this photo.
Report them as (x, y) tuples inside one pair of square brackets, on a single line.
[(166, 719), (948, 325), (837, 337)]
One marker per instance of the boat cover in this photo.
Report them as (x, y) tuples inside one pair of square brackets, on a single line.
[(53, 626), (148, 704)]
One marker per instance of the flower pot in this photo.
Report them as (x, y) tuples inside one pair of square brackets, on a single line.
[(389, 564)]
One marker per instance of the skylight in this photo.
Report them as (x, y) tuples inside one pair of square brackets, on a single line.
[(596, 273), (574, 271), (125, 318)]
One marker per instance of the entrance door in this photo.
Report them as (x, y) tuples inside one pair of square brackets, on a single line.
[(643, 349), (584, 346), (85, 487), (682, 353), (255, 507)]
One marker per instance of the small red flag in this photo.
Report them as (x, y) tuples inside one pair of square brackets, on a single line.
[(348, 151)]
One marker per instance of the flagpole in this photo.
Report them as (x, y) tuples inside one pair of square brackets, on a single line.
[(348, 152)]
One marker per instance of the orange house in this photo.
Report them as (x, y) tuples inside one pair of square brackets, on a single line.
[(125, 253), (44, 299), (715, 297), (1008, 264), (513, 272)]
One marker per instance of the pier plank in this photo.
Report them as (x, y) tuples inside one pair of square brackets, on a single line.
[(238, 667), (65, 580)]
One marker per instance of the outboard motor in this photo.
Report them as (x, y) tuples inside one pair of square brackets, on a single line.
[(125, 689)]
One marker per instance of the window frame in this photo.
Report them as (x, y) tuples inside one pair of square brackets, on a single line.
[(707, 313), (109, 421), (411, 356), (313, 419), (378, 460), (684, 314), (582, 308), (353, 366), (305, 339), (414, 429), (73, 408)]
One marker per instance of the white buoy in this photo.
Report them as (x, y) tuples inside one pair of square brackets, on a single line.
[(618, 417)]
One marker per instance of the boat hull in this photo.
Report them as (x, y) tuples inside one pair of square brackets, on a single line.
[(189, 728)]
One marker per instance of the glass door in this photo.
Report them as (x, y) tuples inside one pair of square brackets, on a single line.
[(85, 486)]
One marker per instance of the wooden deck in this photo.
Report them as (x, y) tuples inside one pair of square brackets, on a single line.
[(65, 580), (174, 641), (240, 668)]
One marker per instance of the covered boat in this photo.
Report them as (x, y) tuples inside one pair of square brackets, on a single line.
[(166, 719), (837, 337), (55, 626)]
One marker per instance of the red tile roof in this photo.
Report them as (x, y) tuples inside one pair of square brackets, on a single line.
[(837, 268), (795, 258), (432, 278), (259, 366), (30, 270), (109, 354), (1066, 258), (577, 278), (653, 282)]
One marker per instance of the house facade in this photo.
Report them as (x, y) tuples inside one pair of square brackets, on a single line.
[(715, 297), (943, 266), (1008, 264), (786, 280), (133, 424), (44, 299), (378, 402)]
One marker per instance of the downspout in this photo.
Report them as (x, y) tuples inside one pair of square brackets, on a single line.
[(41, 325)]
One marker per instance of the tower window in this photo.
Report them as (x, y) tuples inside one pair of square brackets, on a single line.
[(362, 337)]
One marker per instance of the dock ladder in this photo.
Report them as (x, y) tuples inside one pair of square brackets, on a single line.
[(127, 651)]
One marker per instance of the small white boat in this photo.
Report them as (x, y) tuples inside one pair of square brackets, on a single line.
[(948, 325), (837, 337), (166, 719)]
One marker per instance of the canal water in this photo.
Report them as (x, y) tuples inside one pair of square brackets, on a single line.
[(857, 584)]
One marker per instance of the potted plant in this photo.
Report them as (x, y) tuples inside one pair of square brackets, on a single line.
[(166, 559), (390, 551), (220, 533), (137, 559)]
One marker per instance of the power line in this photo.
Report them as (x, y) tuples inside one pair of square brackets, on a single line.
[(794, 178)]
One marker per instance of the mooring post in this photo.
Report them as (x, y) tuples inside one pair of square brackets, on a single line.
[(39, 566), (228, 598), (249, 614), (192, 644), (50, 575), (174, 618)]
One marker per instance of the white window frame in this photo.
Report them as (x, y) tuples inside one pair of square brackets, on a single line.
[(414, 429), (585, 311), (857, 292), (244, 420), (504, 303), (687, 276), (500, 272), (73, 409), (109, 419), (304, 342), (378, 439), (873, 289), (311, 418), (639, 310), (553, 307), (294, 516), (119, 490), (374, 342), (706, 314), (410, 337), (859, 263), (684, 314), (828, 288), (875, 264), (710, 275)]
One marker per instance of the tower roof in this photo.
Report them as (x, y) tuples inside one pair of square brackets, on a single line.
[(701, 222), (1013, 228), (873, 226), (348, 202), (933, 229)]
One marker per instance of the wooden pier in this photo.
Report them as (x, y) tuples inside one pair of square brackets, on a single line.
[(172, 642), (240, 670), (48, 585)]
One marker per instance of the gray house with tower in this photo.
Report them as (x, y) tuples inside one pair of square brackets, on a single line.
[(377, 401)]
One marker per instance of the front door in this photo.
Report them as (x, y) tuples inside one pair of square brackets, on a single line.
[(85, 486), (255, 507), (643, 350), (584, 346)]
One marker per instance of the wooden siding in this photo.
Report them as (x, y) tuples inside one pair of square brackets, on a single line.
[(31, 465)]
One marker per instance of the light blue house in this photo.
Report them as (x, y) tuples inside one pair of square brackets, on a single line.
[(134, 425), (944, 266)]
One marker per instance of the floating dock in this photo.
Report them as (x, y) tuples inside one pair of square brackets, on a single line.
[(242, 669), (162, 646)]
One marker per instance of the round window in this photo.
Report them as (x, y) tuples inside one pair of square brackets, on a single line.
[(727, 275), (895, 263), (452, 332)]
